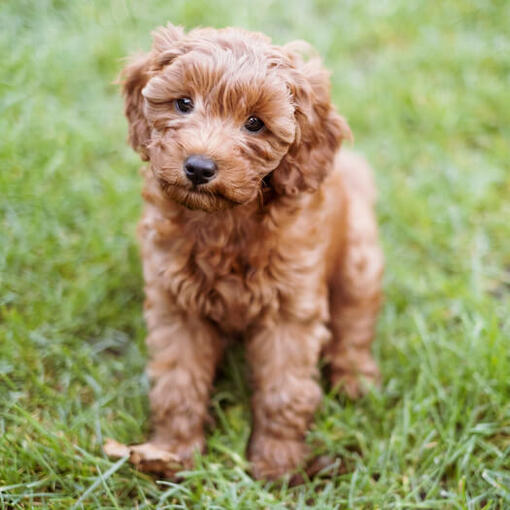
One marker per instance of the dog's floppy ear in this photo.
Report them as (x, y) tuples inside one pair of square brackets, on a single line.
[(134, 77), (319, 128)]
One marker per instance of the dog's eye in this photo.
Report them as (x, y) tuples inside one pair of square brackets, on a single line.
[(184, 105), (253, 124)]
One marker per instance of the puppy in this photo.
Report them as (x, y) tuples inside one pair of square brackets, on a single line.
[(255, 226)]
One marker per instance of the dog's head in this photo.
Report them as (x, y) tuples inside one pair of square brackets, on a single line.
[(219, 113)]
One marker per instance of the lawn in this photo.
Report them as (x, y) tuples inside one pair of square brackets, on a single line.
[(425, 88)]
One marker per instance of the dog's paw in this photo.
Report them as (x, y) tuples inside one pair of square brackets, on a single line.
[(355, 384), (271, 457), (164, 459)]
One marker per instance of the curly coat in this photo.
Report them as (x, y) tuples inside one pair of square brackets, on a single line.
[(279, 249)]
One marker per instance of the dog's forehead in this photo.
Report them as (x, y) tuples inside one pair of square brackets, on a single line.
[(234, 53), (241, 75), (241, 63)]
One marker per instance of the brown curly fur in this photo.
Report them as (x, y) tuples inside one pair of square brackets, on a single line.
[(280, 248)]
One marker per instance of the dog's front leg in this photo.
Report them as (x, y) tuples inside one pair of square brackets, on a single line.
[(184, 352), (283, 359)]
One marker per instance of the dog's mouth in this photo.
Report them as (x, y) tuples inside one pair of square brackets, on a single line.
[(197, 197)]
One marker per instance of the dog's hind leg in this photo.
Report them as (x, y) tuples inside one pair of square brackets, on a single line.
[(355, 297)]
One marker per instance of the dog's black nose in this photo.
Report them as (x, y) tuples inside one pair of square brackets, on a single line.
[(199, 169)]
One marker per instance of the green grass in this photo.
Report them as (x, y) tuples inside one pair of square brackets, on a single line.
[(424, 86)]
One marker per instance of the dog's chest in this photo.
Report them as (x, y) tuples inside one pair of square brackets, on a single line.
[(227, 281)]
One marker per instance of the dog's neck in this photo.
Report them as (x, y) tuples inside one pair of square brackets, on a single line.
[(247, 221)]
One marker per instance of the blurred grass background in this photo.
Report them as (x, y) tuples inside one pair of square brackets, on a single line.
[(425, 88)]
